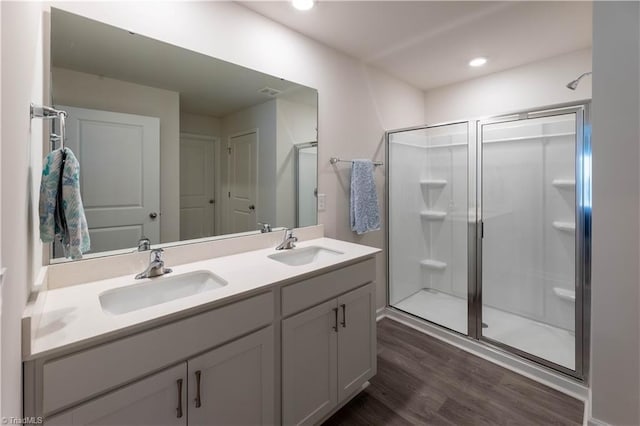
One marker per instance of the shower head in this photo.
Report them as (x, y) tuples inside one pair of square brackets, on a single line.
[(574, 84)]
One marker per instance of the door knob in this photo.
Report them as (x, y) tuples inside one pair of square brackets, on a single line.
[(252, 207), (153, 215)]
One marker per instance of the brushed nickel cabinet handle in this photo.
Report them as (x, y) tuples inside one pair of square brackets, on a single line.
[(344, 315), (198, 401), (179, 409), (335, 327)]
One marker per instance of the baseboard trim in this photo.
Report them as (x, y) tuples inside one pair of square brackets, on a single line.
[(525, 368), (596, 422)]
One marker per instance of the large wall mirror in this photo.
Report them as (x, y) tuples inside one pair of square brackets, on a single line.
[(175, 145)]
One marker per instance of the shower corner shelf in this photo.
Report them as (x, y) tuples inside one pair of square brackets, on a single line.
[(565, 226), (433, 183), (565, 294), (564, 183), (433, 214), (433, 264)]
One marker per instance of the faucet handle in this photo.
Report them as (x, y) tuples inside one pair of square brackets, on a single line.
[(266, 227), (156, 254), (144, 244)]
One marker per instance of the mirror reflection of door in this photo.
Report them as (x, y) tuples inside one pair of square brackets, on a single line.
[(243, 181), (306, 163), (119, 157), (197, 186)]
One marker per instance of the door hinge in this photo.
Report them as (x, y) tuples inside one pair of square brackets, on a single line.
[(481, 229), (229, 150), (229, 194)]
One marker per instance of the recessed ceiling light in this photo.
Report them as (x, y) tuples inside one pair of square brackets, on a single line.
[(303, 4), (477, 62)]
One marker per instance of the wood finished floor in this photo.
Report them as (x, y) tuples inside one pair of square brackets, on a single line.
[(424, 381)]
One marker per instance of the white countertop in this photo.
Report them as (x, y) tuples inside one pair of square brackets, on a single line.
[(71, 318)]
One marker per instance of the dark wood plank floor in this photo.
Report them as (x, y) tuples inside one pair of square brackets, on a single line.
[(424, 381)]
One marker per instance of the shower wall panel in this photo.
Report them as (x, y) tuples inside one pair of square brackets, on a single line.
[(407, 247), (528, 211)]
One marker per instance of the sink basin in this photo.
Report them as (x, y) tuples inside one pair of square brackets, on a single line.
[(304, 256), (158, 290)]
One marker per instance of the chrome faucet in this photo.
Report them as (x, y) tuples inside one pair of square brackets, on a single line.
[(288, 241), (144, 244), (156, 266), (265, 227)]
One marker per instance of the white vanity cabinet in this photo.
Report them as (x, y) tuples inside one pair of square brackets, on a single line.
[(159, 400), (290, 354), (309, 365), (234, 384), (328, 350), (229, 385)]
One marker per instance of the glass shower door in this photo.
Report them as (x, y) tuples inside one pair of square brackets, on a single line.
[(529, 216), (428, 223)]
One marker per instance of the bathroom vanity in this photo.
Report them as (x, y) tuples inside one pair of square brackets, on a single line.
[(261, 337)]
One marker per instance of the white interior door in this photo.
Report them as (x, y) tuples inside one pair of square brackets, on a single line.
[(197, 186), (119, 157), (243, 181)]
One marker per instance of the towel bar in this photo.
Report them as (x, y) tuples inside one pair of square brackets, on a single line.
[(48, 113), (334, 160)]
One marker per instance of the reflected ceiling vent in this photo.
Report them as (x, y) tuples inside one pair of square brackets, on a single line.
[(270, 91)]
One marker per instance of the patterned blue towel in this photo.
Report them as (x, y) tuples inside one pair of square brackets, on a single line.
[(364, 213), (60, 207)]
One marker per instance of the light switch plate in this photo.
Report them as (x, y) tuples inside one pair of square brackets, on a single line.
[(322, 202)]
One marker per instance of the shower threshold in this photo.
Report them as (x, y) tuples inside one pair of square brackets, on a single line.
[(542, 340)]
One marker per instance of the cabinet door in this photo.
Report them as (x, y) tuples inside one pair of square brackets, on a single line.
[(309, 364), (356, 340), (158, 400), (234, 384)]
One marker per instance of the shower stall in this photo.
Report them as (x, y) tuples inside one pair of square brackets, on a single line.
[(489, 231)]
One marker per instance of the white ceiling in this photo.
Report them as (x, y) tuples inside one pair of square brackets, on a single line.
[(206, 85), (429, 43)]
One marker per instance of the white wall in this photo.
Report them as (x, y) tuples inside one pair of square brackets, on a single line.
[(533, 85), (199, 124), (21, 141), (356, 103), (84, 90), (615, 321), (263, 118), (296, 123)]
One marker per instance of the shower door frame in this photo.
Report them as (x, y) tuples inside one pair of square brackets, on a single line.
[(582, 236), (474, 233)]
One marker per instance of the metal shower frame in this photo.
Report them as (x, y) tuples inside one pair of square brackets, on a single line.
[(474, 238)]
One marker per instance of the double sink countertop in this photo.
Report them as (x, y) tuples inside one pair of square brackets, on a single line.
[(72, 318)]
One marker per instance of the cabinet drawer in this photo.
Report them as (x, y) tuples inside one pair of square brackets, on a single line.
[(301, 295), (87, 373)]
